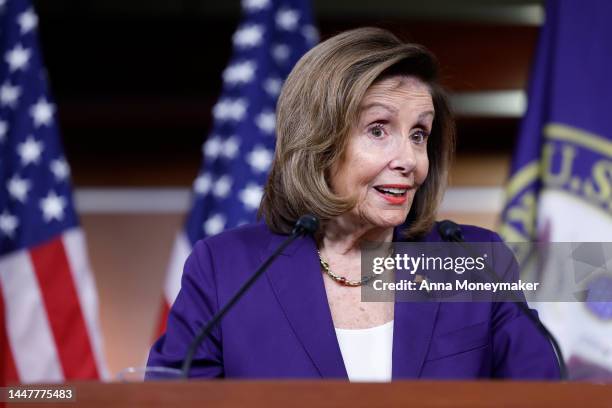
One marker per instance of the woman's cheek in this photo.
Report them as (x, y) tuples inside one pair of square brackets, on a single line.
[(423, 169)]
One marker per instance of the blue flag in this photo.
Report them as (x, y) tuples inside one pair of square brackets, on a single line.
[(272, 37), (560, 189)]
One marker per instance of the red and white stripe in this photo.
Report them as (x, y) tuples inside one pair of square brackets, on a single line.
[(172, 284), (50, 306)]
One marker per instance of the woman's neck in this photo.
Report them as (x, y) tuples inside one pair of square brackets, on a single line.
[(343, 236)]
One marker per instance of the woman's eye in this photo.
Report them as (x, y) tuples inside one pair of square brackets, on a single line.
[(377, 131), (419, 136)]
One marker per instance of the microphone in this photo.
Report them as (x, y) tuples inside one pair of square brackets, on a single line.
[(306, 225), (451, 232)]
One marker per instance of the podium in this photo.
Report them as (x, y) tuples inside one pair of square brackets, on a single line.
[(308, 394)]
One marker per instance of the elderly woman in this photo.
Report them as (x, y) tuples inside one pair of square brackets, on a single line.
[(365, 138)]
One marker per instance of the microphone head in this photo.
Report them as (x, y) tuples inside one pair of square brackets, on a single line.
[(450, 231), (307, 224)]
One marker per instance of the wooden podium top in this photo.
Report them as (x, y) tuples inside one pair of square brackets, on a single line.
[(298, 394)]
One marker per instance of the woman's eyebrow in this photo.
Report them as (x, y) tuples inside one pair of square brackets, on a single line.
[(392, 109), (426, 114)]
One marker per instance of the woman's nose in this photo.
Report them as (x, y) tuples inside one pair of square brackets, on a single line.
[(404, 158)]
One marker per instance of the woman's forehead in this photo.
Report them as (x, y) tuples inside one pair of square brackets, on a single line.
[(398, 80), (397, 88)]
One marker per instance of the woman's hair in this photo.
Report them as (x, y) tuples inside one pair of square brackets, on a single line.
[(317, 107)]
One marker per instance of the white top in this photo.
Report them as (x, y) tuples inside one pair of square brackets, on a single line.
[(367, 353)]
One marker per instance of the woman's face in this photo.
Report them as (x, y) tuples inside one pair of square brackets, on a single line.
[(386, 157)]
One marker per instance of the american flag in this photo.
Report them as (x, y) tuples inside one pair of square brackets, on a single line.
[(272, 36), (49, 327)]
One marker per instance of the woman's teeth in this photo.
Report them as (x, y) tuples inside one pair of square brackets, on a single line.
[(396, 192)]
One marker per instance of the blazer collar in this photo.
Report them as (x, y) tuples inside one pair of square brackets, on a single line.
[(297, 282)]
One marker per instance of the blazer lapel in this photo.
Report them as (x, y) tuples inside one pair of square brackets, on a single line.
[(297, 282), (413, 326), (412, 333)]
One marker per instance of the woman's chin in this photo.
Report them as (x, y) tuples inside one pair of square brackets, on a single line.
[(388, 222), (380, 218)]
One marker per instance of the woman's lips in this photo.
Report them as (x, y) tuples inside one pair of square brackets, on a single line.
[(395, 194)]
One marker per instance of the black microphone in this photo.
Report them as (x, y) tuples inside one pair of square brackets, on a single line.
[(306, 225), (451, 232)]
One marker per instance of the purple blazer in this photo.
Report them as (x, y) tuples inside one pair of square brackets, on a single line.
[(282, 327)]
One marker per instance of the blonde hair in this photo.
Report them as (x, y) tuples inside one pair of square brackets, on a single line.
[(318, 104)]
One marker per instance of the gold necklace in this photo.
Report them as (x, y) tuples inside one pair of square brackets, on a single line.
[(341, 279)]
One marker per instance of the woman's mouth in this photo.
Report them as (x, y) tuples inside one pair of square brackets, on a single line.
[(394, 194)]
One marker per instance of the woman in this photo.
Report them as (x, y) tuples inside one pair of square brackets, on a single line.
[(365, 138)]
